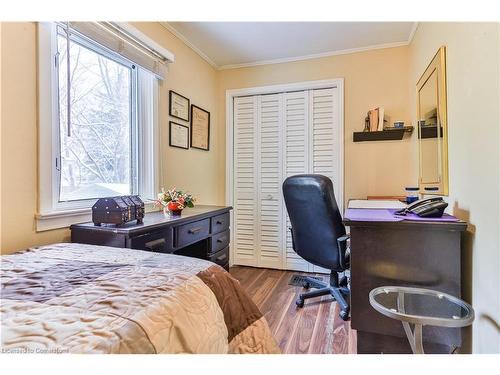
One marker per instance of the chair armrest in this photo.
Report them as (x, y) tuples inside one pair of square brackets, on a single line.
[(343, 243)]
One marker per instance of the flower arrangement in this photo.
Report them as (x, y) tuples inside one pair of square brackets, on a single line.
[(174, 200)]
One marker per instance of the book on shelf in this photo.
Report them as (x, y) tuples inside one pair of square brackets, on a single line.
[(380, 119), (376, 119), (373, 117)]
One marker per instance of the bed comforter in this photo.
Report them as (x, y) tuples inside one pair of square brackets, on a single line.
[(74, 298)]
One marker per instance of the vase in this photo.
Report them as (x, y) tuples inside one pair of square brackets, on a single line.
[(174, 209)]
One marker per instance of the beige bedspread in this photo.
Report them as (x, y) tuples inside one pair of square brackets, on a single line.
[(92, 299)]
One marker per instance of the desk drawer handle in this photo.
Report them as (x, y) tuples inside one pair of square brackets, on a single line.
[(194, 230), (218, 222), (221, 240), (155, 245), (222, 257)]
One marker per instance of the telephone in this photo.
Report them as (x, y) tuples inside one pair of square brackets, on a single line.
[(429, 207)]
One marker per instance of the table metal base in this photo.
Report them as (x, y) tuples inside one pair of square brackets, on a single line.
[(415, 336)]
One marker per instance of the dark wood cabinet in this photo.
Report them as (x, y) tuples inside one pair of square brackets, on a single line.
[(201, 232)]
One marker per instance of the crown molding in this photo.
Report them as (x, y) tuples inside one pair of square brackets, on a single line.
[(412, 32), (313, 56), (188, 43), (289, 59)]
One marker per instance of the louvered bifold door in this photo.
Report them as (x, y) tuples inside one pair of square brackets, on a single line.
[(277, 136), (296, 155), (324, 133), (270, 178), (245, 181)]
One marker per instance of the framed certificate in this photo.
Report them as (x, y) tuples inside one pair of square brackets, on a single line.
[(179, 106), (200, 128), (178, 135)]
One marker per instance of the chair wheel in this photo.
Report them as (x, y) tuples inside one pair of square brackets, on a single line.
[(306, 285), (299, 302), (344, 315)]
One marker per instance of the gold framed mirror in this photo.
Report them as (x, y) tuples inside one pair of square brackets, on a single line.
[(432, 127)]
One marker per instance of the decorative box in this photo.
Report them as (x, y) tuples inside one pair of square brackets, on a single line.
[(118, 210)]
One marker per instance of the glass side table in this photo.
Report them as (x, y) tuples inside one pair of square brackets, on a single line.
[(420, 307)]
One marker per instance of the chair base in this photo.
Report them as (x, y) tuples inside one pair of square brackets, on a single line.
[(338, 290)]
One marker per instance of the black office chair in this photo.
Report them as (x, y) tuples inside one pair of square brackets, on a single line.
[(318, 234)]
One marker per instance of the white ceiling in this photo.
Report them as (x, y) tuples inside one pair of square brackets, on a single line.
[(233, 44)]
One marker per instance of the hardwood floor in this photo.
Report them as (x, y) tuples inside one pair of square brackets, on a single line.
[(315, 329)]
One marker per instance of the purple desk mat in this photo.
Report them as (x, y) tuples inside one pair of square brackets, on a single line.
[(362, 214)]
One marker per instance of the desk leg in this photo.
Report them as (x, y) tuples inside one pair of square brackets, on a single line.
[(417, 333), (415, 337)]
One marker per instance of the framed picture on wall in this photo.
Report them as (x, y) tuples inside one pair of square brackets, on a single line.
[(178, 135), (179, 106), (200, 128)]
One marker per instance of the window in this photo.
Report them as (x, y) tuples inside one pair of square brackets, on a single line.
[(97, 144), (98, 125)]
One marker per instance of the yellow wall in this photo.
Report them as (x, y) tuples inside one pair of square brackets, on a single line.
[(473, 64), (194, 170), (19, 140), (191, 76), (371, 79)]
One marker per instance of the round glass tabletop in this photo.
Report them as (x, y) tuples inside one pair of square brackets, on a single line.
[(421, 306)]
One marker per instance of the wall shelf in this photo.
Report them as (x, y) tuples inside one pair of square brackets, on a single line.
[(430, 132), (391, 134)]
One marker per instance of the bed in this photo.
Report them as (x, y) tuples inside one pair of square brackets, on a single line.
[(75, 298)]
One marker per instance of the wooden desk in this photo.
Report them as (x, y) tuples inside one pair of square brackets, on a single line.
[(417, 254), (200, 232)]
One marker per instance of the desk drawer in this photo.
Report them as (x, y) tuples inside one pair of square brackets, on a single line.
[(192, 232), (220, 223), (221, 258), (220, 241), (154, 241)]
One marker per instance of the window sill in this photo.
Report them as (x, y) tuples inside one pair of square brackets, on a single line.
[(63, 219)]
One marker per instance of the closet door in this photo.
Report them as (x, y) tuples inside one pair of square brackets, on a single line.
[(246, 177), (277, 136), (269, 185), (323, 142), (296, 158)]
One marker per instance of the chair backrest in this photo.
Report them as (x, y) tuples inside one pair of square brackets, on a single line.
[(315, 218)]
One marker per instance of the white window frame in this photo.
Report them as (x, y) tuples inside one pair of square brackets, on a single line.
[(51, 213)]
